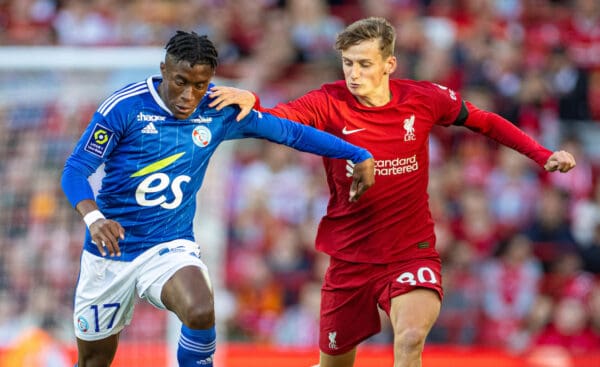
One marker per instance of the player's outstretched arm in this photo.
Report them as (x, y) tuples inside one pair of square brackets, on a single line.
[(363, 177), (561, 161), (225, 96)]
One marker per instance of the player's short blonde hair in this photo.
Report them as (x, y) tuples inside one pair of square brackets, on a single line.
[(368, 29)]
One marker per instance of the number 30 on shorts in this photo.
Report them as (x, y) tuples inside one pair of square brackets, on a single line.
[(424, 275)]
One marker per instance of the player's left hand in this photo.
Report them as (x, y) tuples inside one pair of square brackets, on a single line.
[(560, 161), (363, 177), (225, 96)]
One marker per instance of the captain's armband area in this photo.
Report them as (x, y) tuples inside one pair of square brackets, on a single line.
[(462, 115)]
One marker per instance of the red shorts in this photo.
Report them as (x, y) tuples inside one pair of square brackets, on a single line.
[(352, 293)]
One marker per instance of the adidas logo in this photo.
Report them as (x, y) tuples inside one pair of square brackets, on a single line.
[(149, 129)]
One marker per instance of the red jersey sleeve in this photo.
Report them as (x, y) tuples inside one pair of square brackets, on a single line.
[(309, 109), (445, 103), (505, 133)]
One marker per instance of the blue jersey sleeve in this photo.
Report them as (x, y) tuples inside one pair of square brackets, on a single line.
[(95, 144), (300, 137)]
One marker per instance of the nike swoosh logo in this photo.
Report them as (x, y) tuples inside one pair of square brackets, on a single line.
[(345, 131)]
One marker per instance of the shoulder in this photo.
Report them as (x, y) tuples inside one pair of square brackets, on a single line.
[(334, 90), (338, 86), (124, 99), (408, 88), (413, 86)]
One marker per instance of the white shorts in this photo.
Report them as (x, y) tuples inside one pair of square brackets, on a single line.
[(105, 293)]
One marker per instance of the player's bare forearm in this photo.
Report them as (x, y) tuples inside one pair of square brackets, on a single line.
[(226, 96), (105, 232), (561, 161), (363, 177)]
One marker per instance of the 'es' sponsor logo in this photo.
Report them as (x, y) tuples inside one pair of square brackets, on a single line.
[(201, 136)]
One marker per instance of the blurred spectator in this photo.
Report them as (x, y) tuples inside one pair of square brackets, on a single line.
[(510, 287), (569, 328), (456, 323), (299, 325), (578, 184), (594, 309), (550, 229), (259, 302), (566, 278), (591, 254), (313, 29), (512, 190), (476, 225), (83, 23), (586, 216)]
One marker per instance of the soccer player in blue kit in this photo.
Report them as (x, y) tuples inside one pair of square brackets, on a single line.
[(155, 139)]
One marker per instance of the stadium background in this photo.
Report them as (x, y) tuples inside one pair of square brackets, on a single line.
[(521, 248)]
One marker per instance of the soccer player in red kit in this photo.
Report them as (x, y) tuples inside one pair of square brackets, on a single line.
[(382, 248)]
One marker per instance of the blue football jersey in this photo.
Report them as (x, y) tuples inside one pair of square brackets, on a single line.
[(155, 163)]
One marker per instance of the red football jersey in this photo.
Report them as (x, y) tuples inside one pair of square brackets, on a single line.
[(392, 220)]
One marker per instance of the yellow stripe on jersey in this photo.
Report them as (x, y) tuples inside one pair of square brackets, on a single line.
[(157, 165)]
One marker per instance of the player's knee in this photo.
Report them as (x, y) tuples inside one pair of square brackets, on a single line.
[(199, 317), (93, 360), (410, 338)]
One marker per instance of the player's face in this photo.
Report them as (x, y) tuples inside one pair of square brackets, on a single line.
[(367, 72), (183, 86)]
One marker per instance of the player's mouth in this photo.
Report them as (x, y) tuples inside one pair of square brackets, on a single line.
[(183, 110)]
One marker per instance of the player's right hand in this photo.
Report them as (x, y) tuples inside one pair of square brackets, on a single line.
[(560, 161), (225, 96), (106, 234), (363, 177)]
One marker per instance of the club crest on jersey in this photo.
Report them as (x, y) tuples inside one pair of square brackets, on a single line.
[(82, 324), (409, 126), (201, 136), (98, 140)]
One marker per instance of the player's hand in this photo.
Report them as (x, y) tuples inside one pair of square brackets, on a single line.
[(363, 177), (225, 96), (106, 234), (560, 161)]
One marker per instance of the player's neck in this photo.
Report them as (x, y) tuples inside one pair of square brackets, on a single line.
[(160, 90), (377, 99)]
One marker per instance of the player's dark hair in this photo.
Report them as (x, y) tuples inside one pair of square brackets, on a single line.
[(368, 29), (193, 48)]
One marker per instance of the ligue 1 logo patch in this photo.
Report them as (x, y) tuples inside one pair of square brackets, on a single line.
[(98, 141), (201, 136)]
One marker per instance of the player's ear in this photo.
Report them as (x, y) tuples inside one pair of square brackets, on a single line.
[(163, 69), (390, 65)]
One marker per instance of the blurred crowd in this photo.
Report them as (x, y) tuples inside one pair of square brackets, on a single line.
[(520, 248)]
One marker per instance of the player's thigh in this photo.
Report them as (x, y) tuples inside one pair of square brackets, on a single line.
[(187, 289), (416, 293), (416, 310), (104, 297), (176, 278)]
